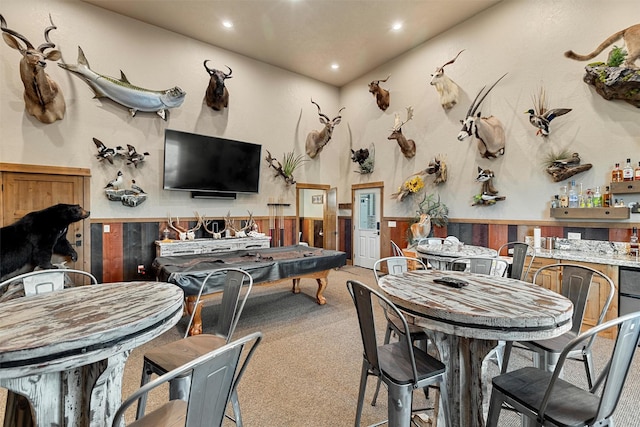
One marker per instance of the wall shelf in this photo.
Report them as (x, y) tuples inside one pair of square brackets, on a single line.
[(590, 213), (624, 187)]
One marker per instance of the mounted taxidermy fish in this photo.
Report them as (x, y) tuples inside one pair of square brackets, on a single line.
[(124, 93), (540, 116)]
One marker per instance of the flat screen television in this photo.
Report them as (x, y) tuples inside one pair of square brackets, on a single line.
[(209, 166)]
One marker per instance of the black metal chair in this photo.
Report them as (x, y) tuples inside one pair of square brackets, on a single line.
[(168, 357), (577, 281), (520, 252), (401, 366), (213, 377), (548, 400)]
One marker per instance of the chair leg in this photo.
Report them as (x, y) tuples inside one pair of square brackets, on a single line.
[(387, 338), (363, 385), (444, 401), (142, 402), (399, 405), (587, 358), (495, 406), (236, 407), (506, 354)]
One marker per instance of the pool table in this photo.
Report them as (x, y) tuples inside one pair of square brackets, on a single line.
[(266, 265)]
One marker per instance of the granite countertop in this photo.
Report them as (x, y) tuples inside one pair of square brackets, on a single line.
[(594, 251)]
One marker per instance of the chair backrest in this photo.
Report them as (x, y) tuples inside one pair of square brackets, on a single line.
[(363, 299), (520, 252), (395, 249), (480, 265), (614, 374), (43, 281), (233, 300), (397, 265), (213, 377), (576, 284)]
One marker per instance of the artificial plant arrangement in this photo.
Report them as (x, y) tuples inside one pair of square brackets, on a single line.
[(291, 163)]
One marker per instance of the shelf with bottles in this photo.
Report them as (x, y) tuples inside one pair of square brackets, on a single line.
[(590, 213)]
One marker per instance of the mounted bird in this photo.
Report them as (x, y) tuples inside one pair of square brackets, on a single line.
[(106, 153), (133, 157), (540, 116), (116, 183)]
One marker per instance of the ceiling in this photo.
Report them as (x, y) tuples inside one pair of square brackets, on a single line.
[(306, 36)]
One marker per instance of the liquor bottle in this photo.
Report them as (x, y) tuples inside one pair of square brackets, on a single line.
[(573, 196), (564, 197), (606, 198), (636, 174), (633, 243), (616, 174), (582, 201), (627, 172), (597, 198)]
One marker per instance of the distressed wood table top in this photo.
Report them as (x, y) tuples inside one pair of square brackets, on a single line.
[(77, 326), (455, 250), (490, 307)]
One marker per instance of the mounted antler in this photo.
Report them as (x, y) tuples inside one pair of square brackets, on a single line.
[(487, 130), (447, 88), (407, 146), (382, 95), (182, 232), (42, 96), (316, 140), (229, 224), (217, 95)]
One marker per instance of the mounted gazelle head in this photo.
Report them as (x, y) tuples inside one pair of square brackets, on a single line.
[(447, 89), (382, 95), (407, 146), (42, 96), (217, 95), (487, 130), (316, 140)]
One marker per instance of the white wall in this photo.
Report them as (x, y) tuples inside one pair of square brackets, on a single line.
[(268, 106), (271, 107), (526, 39)]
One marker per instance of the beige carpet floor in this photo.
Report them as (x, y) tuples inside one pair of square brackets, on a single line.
[(306, 370)]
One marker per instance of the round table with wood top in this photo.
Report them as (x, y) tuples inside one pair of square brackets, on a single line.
[(466, 323), (65, 351)]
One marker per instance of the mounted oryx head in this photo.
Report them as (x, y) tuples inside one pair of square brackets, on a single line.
[(487, 130), (382, 95), (217, 95), (447, 89), (42, 96), (407, 146), (316, 140)]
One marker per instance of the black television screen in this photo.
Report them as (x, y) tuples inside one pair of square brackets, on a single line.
[(201, 163)]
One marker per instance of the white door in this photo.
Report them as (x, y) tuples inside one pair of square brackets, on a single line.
[(366, 219)]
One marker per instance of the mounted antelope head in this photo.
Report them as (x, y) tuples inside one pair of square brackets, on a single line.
[(217, 95), (43, 98), (447, 89), (382, 95), (316, 140), (487, 130), (407, 146)]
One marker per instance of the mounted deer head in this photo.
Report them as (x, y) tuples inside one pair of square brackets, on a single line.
[(316, 140), (487, 130), (447, 89), (217, 95), (407, 146), (42, 96), (382, 95)]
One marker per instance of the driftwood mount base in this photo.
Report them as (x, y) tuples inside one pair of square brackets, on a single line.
[(560, 174), (614, 82)]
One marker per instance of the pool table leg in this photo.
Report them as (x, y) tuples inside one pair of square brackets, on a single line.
[(321, 278), (190, 306)]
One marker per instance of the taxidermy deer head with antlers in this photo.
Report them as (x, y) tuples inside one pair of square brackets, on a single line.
[(382, 95), (43, 98), (447, 89), (488, 131), (316, 140), (407, 146)]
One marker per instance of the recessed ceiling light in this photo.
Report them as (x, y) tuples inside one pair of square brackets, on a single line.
[(397, 26), (227, 24), (335, 66)]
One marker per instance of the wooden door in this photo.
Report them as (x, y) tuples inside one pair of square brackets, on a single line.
[(331, 220), (28, 188)]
